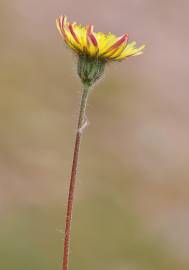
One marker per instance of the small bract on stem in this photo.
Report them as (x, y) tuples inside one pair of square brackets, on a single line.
[(94, 50)]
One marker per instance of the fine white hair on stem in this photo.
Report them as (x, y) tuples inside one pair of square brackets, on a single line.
[(86, 123)]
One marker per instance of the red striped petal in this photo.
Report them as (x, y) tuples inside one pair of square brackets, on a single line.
[(73, 33), (91, 35), (61, 21), (119, 42)]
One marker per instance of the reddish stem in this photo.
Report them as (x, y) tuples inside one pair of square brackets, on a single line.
[(73, 178)]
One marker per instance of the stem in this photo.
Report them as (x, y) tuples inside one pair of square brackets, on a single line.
[(73, 177)]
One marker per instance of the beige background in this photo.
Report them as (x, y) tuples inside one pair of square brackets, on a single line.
[(132, 201)]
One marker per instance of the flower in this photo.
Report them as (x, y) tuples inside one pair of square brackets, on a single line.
[(105, 47)]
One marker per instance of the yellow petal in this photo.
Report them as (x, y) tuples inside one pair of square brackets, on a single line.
[(92, 42), (82, 33), (130, 50), (105, 42)]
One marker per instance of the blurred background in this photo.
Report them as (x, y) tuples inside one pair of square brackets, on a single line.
[(132, 200)]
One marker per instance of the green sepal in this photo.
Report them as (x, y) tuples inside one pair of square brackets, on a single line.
[(90, 69)]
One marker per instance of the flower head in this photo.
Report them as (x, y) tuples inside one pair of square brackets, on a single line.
[(105, 47)]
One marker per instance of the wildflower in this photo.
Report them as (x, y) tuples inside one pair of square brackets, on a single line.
[(107, 47), (95, 49)]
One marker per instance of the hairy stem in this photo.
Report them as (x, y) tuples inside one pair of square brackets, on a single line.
[(81, 124)]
